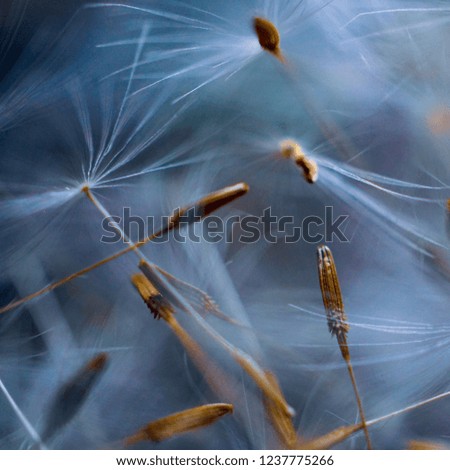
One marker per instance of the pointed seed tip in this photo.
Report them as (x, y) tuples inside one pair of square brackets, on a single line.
[(223, 409)]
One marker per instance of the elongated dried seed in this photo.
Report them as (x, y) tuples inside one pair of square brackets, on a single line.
[(178, 423)]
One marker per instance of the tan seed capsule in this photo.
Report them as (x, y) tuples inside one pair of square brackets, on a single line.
[(332, 296), (268, 37), (178, 423), (424, 445), (331, 439), (292, 150)]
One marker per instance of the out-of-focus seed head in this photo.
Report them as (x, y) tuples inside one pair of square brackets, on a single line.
[(73, 394)]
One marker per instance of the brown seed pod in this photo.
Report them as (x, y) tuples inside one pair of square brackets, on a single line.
[(332, 296), (268, 36)]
